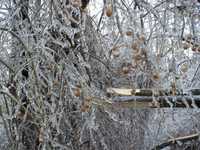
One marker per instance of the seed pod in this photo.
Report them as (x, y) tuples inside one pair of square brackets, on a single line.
[(194, 49), (84, 3), (76, 3), (137, 57), (49, 67), (115, 51), (156, 76), (77, 92), (142, 38), (173, 88), (125, 70), (56, 82), (129, 33), (134, 46), (184, 68), (86, 104), (109, 11), (186, 45), (199, 49)]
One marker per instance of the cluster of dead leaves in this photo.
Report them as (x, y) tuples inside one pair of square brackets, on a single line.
[(139, 51)]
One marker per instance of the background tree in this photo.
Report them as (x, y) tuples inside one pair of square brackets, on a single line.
[(58, 57)]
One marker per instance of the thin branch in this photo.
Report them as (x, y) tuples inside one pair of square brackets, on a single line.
[(99, 59), (16, 36), (98, 26), (195, 74), (5, 126), (5, 64), (9, 95), (117, 17), (153, 8)]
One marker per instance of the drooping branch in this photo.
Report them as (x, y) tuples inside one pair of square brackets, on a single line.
[(148, 102), (161, 101), (150, 98), (175, 140)]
